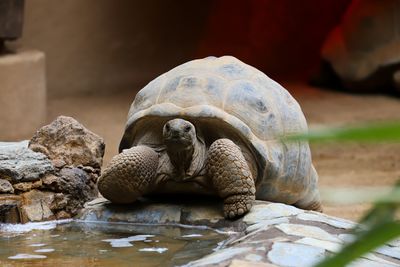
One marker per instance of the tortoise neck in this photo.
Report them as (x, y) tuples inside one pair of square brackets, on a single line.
[(189, 162), (181, 158)]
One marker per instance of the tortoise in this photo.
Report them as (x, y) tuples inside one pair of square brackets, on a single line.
[(214, 126)]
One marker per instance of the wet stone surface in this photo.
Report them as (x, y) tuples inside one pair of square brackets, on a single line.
[(271, 234), (149, 231), (317, 236), (73, 243)]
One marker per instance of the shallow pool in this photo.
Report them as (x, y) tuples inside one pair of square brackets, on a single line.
[(77, 243)]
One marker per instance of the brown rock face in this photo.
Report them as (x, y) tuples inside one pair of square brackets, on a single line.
[(72, 156), (66, 140), (6, 187), (36, 205), (76, 154), (10, 209)]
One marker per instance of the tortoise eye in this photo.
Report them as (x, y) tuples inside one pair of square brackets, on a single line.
[(187, 128), (167, 127)]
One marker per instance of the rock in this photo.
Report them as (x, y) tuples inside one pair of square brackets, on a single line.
[(89, 169), (18, 163), (24, 187), (5, 210), (369, 263), (253, 257), (60, 202), (241, 263), (74, 206), (36, 205), (65, 165), (10, 209), (271, 234), (293, 255), (6, 187), (327, 245), (58, 163), (347, 238), (74, 181), (27, 186), (75, 187), (336, 222), (14, 145), (140, 213), (306, 231), (266, 223), (393, 252), (76, 184), (63, 215), (67, 140), (219, 256), (271, 211), (48, 180), (147, 211)]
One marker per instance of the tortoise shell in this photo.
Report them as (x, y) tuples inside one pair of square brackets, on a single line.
[(224, 97)]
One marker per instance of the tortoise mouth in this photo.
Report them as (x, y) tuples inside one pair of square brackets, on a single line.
[(178, 142)]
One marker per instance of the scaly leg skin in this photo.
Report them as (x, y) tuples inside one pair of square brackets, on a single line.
[(128, 175), (231, 176)]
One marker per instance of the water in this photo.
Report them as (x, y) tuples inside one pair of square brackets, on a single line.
[(74, 243)]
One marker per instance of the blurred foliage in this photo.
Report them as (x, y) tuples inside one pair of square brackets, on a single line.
[(375, 229), (378, 132), (379, 225)]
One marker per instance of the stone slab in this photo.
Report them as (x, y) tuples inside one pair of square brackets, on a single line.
[(20, 164)]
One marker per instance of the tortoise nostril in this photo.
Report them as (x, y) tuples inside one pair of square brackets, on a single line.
[(175, 133)]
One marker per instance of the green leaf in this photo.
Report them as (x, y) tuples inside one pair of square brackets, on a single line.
[(383, 210), (382, 132), (369, 240)]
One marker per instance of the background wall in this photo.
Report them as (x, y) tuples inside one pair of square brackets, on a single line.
[(109, 45), (106, 46)]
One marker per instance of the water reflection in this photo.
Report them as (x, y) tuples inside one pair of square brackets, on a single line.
[(74, 243)]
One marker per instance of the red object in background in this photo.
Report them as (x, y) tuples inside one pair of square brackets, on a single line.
[(282, 38)]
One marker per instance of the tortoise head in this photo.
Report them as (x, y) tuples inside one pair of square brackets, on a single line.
[(179, 135)]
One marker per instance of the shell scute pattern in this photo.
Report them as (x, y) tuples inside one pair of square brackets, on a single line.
[(232, 71), (188, 90), (248, 103), (258, 108), (147, 97)]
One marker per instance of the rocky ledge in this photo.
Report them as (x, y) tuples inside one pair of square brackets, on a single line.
[(52, 175), (271, 234)]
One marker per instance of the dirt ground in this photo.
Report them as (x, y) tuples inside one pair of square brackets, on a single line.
[(353, 166)]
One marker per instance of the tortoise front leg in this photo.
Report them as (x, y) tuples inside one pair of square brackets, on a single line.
[(231, 176), (129, 174)]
